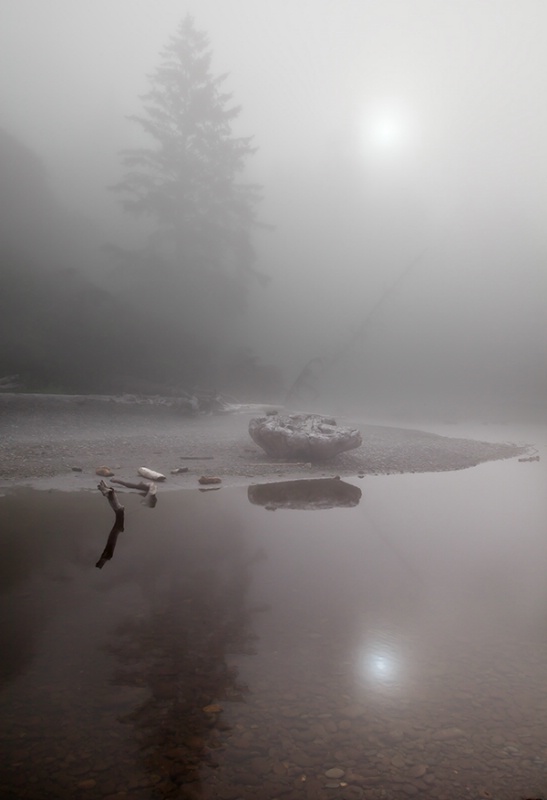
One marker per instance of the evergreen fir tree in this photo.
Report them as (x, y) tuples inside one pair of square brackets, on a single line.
[(188, 179)]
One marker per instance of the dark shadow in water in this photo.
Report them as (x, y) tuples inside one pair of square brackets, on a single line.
[(108, 551), (179, 653), (118, 526), (24, 554), (313, 495), (21, 625)]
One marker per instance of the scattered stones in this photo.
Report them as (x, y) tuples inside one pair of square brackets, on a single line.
[(353, 711), (60, 434), (335, 772), (209, 479), (104, 472), (179, 470), (417, 771), (213, 708), (409, 789)]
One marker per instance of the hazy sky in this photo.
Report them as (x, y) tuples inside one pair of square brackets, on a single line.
[(398, 126), (429, 89)]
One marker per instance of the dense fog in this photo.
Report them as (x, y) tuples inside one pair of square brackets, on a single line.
[(382, 247)]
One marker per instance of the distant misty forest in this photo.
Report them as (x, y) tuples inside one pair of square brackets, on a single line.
[(159, 317)]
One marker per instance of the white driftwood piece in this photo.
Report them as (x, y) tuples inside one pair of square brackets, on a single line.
[(150, 474)]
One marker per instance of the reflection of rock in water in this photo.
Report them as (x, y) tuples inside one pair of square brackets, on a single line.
[(313, 494)]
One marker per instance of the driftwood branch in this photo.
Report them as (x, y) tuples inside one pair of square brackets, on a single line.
[(141, 486), (118, 526), (150, 498), (112, 498), (149, 489)]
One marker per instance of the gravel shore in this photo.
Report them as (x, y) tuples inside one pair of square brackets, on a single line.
[(61, 440)]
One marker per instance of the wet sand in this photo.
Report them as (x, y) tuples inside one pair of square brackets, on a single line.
[(64, 439)]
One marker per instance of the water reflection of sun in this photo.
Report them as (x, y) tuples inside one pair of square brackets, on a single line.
[(379, 663)]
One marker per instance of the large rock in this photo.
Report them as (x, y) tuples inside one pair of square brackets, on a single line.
[(308, 437)]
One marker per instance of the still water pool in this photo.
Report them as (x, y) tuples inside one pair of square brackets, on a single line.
[(383, 638)]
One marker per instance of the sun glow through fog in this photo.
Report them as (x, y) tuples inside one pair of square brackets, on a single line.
[(385, 130)]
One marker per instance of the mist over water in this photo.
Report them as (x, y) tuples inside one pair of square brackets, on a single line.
[(400, 150)]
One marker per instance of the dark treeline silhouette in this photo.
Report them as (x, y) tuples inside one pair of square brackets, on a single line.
[(165, 315), (57, 329)]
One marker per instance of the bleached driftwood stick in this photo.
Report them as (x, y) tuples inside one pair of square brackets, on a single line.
[(150, 490)]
